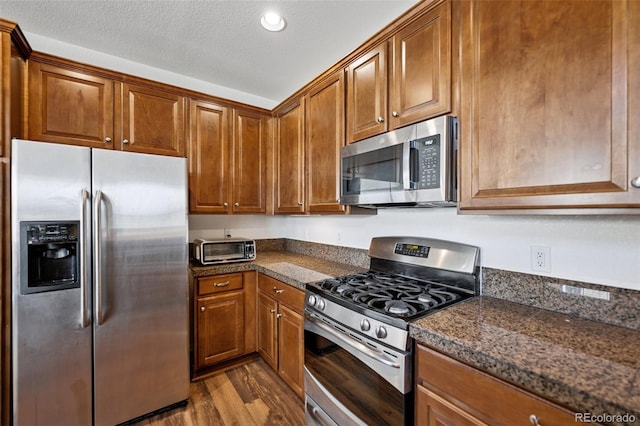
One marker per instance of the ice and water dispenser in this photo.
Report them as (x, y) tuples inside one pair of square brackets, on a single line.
[(49, 256)]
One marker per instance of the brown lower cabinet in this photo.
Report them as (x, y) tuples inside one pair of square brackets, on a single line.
[(224, 320), (452, 393), (281, 330)]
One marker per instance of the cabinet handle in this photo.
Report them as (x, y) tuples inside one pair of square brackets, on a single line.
[(107, 139), (380, 119), (278, 290), (635, 182), (202, 309), (533, 419), (236, 204), (279, 316), (224, 284), (273, 311), (126, 141), (395, 114)]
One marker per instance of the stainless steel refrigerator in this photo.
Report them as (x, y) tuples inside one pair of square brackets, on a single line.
[(99, 283)]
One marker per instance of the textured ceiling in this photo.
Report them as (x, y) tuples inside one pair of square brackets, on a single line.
[(216, 41)]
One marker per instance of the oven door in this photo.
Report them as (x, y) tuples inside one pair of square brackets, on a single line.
[(351, 380)]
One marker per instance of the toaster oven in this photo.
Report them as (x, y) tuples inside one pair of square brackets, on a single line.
[(227, 250)]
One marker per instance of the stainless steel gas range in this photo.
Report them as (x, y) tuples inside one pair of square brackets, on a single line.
[(358, 353)]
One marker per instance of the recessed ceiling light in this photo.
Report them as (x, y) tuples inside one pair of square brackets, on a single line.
[(272, 22)]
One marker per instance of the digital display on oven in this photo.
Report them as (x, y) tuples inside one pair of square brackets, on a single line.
[(414, 250)]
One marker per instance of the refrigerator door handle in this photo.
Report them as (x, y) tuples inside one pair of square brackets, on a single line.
[(84, 318), (97, 253)]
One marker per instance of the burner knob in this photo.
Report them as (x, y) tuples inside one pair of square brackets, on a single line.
[(381, 332), (365, 325), (312, 300), (321, 304)]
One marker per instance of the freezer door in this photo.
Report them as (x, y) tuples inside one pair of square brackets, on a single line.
[(141, 359), (51, 344)]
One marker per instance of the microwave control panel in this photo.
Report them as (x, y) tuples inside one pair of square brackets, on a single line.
[(425, 173)]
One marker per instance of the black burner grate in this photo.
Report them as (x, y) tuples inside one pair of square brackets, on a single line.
[(388, 294)]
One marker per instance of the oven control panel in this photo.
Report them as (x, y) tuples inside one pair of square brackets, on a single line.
[(415, 250)]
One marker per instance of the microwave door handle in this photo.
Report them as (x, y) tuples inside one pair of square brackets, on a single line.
[(414, 166)]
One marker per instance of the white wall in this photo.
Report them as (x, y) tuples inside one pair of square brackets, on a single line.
[(99, 59), (597, 249)]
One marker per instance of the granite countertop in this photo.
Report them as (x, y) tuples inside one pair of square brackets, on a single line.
[(584, 365), (292, 268)]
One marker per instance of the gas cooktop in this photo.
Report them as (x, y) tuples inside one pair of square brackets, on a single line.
[(409, 277), (392, 299), (388, 294)]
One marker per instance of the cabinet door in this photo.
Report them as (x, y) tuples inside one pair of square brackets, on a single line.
[(267, 329), (70, 107), (208, 158), (547, 119), (153, 121), (220, 328), (325, 137), (432, 410), (290, 159), (479, 395), (367, 95), (420, 74), (291, 348), (249, 162)]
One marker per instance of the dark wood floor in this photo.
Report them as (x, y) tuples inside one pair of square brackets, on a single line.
[(251, 394)]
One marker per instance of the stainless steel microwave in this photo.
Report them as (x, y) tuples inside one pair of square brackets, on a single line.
[(411, 166), (227, 250)]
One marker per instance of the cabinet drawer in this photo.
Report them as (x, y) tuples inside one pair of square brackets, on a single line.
[(484, 396), (284, 293), (219, 283)]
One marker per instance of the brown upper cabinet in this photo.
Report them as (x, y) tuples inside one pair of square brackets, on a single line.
[(152, 121), (70, 105), (289, 158), (310, 133), (249, 152), (549, 111), (402, 80), (209, 168), (324, 130), (227, 159)]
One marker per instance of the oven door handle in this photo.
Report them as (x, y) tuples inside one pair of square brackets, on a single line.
[(347, 340)]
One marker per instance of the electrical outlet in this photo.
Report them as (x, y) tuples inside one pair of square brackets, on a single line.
[(227, 233), (540, 259)]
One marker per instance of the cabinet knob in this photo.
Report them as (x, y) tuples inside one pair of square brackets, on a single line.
[(635, 182), (225, 204), (273, 311), (279, 316), (300, 203), (395, 114), (380, 119), (125, 142), (202, 309), (533, 419), (107, 139), (236, 204), (278, 290)]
